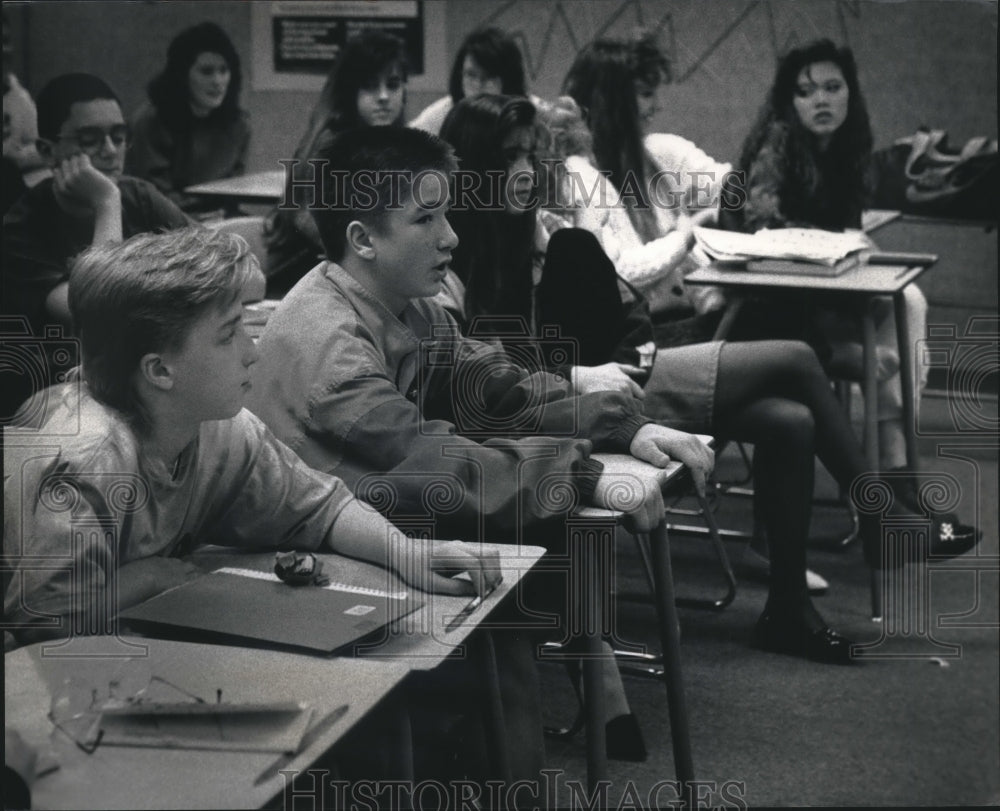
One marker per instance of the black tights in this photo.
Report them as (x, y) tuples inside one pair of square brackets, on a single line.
[(776, 395)]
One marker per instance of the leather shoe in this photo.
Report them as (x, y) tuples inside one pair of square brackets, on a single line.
[(624, 739), (791, 636), (949, 537)]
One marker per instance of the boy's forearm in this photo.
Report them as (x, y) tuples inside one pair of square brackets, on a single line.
[(108, 221), (362, 532)]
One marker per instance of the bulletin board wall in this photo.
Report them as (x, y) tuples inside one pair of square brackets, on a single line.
[(922, 62)]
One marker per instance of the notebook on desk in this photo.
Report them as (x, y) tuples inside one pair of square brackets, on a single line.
[(234, 605)]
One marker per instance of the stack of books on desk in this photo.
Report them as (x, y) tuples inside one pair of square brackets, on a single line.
[(786, 250)]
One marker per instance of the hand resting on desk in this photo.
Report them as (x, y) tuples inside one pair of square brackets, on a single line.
[(429, 566), (658, 444)]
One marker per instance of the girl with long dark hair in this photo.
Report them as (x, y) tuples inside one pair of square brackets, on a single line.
[(806, 162), (192, 130), (488, 61)]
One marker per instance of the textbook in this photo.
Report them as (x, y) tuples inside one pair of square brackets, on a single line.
[(241, 605), (797, 244), (808, 268)]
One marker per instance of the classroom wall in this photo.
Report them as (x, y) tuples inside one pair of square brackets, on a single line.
[(922, 62)]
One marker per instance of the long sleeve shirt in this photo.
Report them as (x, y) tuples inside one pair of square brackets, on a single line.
[(403, 408), (685, 179), (40, 238), (208, 151), (82, 499)]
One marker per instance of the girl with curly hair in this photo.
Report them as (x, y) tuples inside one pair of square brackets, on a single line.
[(655, 186), (806, 158), (192, 130)]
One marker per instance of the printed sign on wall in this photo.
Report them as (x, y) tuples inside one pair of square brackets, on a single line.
[(302, 40)]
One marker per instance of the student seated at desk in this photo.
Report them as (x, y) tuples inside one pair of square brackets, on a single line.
[(83, 137), (348, 379), (367, 86), (192, 129), (806, 163), (518, 262), (155, 447), (649, 188)]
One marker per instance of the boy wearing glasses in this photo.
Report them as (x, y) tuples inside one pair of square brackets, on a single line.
[(83, 138)]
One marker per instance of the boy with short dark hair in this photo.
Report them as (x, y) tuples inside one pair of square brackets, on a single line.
[(365, 375), (154, 453), (82, 137)]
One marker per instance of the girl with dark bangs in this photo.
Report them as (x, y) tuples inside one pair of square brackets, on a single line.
[(488, 61), (810, 167), (367, 87)]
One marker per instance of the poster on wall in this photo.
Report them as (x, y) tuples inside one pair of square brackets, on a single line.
[(298, 41)]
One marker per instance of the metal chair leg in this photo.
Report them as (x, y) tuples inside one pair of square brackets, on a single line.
[(666, 610), (720, 551)]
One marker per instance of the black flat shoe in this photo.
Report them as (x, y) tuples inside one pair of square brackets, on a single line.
[(950, 537), (795, 639), (624, 739)]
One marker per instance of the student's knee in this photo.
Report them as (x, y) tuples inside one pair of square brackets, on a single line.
[(800, 357), (793, 423)]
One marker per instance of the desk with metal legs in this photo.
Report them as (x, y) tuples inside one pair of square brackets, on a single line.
[(592, 536), (865, 282)]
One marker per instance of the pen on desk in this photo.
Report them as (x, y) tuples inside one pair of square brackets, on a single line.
[(311, 736), (467, 610)]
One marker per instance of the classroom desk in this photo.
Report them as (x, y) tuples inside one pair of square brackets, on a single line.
[(131, 777), (865, 282), (259, 187), (138, 777), (420, 640)]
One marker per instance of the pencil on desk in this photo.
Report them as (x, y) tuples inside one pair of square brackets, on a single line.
[(467, 610)]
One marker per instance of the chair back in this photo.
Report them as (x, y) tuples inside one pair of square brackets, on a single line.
[(250, 228)]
